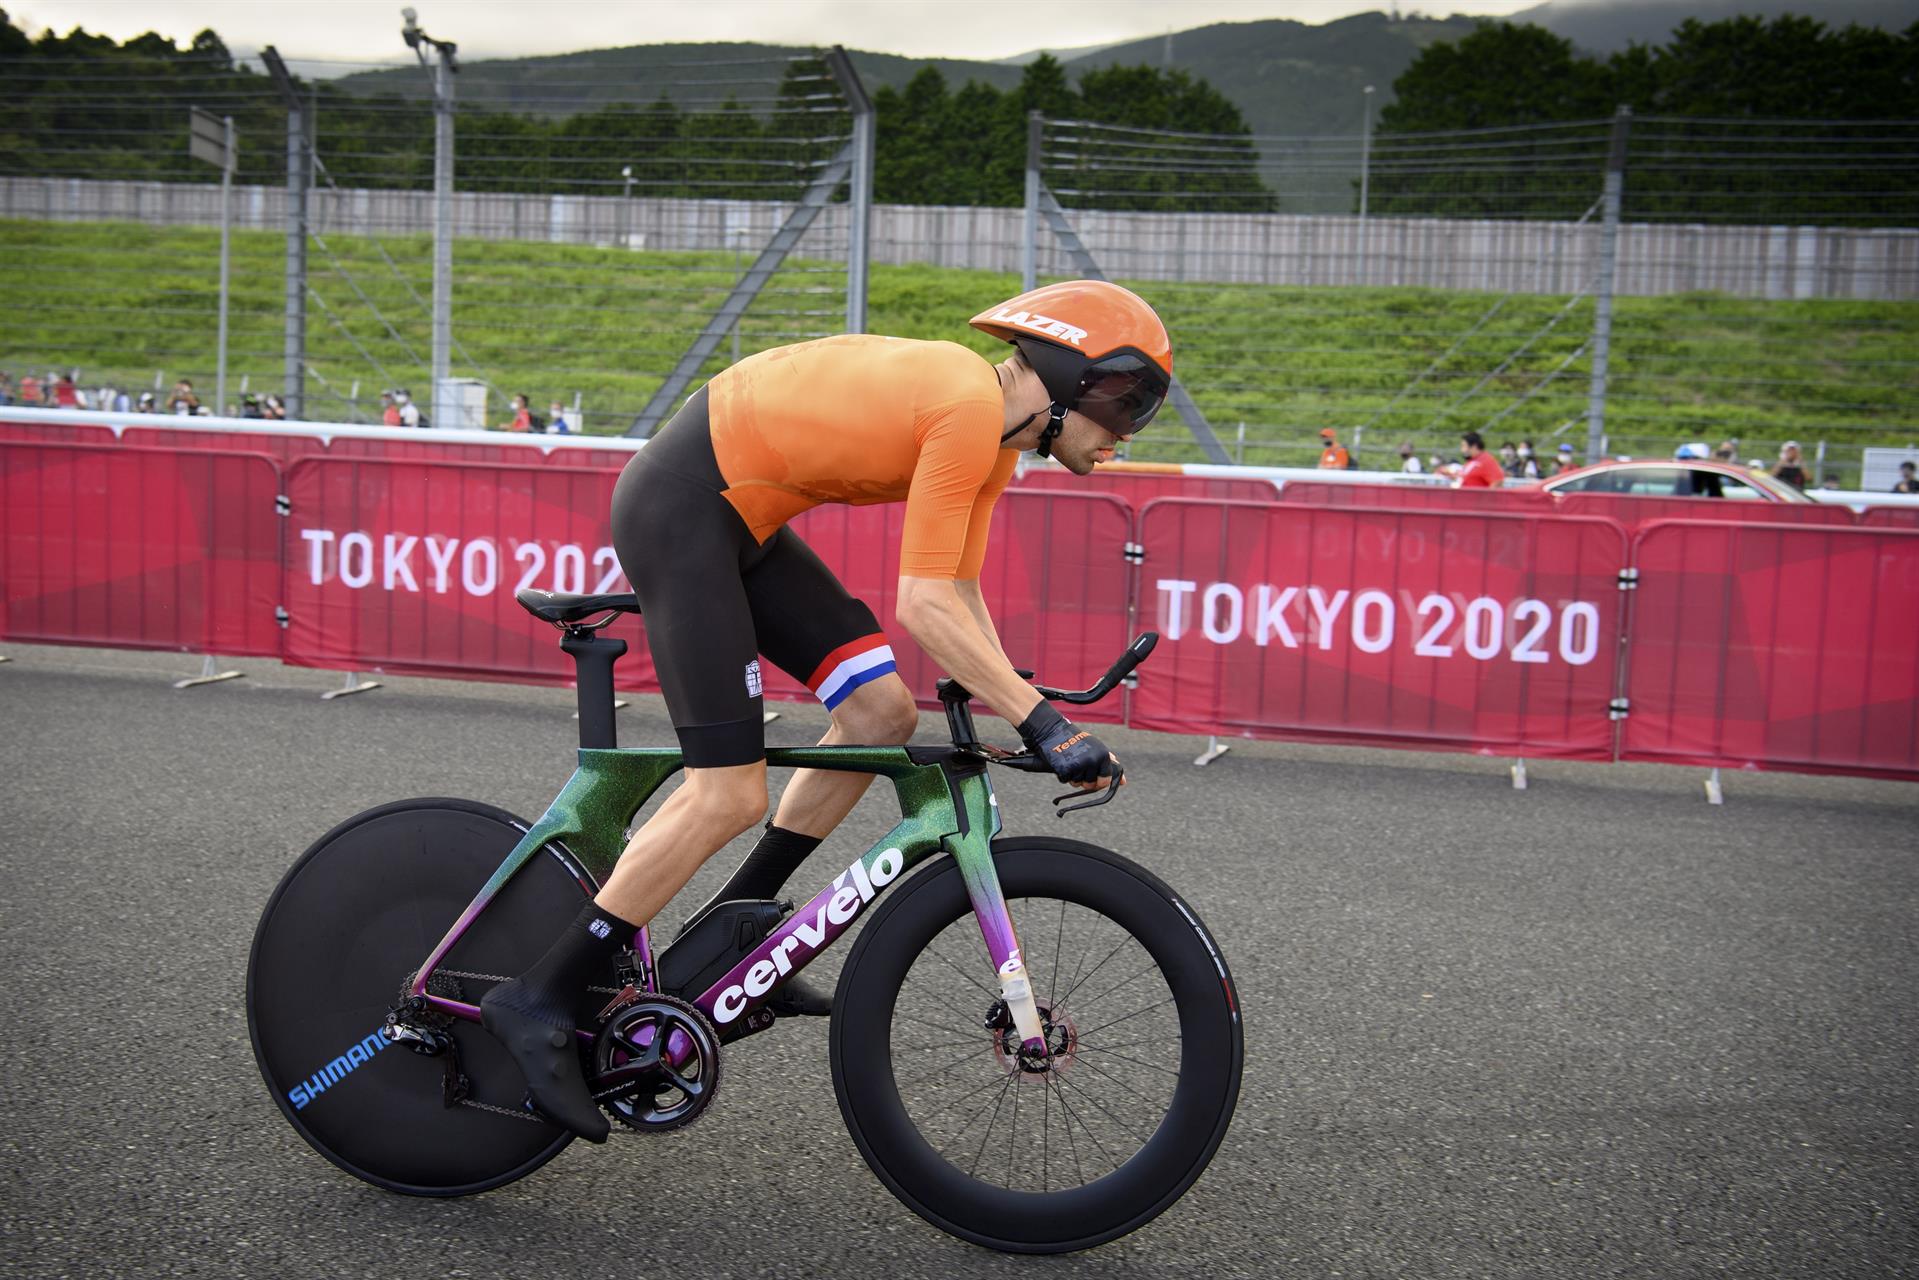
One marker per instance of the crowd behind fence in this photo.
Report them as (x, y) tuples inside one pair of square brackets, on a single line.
[(1748, 280)]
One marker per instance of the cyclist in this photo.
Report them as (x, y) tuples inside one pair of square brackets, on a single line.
[(699, 523)]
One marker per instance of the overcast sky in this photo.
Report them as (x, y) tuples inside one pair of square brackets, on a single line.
[(370, 29)]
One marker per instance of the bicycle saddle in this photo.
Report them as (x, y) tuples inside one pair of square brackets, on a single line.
[(561, 608)]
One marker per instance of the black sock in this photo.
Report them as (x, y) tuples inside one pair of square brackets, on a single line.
[(769, 866), (551, 988)]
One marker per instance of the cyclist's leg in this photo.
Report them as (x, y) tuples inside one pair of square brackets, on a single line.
[(682, 547), (811, 627)]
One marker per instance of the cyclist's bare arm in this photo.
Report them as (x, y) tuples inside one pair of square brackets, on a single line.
[(958, 634), (975, 602)]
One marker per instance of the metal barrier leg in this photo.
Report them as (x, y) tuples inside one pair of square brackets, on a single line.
[(1519, 774), (1214, 750), (209, 674), (353, 685), (5, 658), (769, 717), (1714, 794)]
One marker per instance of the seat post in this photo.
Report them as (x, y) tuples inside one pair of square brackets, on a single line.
[(593, 658)]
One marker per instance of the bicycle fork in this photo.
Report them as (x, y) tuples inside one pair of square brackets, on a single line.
[(972, 849)]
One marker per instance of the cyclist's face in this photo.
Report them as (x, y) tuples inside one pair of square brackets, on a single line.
[(1083, 444)]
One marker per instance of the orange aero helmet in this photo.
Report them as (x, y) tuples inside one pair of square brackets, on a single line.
[(1096, 347)]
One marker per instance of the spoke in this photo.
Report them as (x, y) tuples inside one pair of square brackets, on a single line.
[(1127, 1129), (941, 957), (1059, 940), (1045, 1135), (1096, 968), (988, 1135), (981, 1088), (1012, 1134), (1128, 1086), (1150, 1066), (973, 1039), (1073, 1115), (937, 1071), (1128, 1018), (1152, 966), (937, 1026)]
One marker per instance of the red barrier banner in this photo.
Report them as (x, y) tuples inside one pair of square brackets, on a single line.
[(1637, 510), (1889, 518), (1417, 497), (411, 567), (1775, 647), (56, 433), (1493, 633), (1141, 487), (139, 548)]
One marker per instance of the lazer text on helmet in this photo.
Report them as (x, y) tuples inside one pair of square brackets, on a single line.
[(1046, 326)]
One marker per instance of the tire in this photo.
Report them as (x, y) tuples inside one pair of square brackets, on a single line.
[(357, 914), (911, 1055)]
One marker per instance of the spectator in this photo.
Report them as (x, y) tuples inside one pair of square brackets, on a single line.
[(6, 387), (250, 406), (65, 394), (1509, 457), (1408, 460), (113, 400), (183, 401), (1727, 451), (1564, 461), (389, 409), (557, 421), (1790, 468), (1333, 455), (147, 403), (29, 390), (409, 412), (1908, 483), (1482, 470), (273, 409), (523, 418), (1831, 480), (1528, 461)]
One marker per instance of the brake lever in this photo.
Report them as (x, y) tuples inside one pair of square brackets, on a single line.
[(1103, 796)]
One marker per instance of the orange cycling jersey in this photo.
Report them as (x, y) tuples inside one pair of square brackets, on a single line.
[(862, 419)]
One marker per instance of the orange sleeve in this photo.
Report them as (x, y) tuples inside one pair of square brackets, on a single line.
[(959, 452), (980, 523)]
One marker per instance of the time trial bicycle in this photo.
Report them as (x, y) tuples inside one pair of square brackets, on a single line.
[(1038, 1090)]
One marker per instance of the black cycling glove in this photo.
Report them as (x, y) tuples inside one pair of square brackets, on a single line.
[(1074, 754)]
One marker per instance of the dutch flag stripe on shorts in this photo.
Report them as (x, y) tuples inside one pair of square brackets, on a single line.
[(850, 666)]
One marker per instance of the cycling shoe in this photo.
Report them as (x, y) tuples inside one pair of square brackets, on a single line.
[(550, 1061)]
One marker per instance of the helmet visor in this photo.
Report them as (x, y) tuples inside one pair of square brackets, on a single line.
[(1121, 393)]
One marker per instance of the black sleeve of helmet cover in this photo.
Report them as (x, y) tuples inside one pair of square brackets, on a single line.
[(1074, 754)]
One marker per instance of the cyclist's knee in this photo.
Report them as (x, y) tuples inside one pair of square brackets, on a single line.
[(731, 798), (881, 713)]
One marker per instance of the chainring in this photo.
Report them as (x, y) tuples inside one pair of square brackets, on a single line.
[(656, 1064)]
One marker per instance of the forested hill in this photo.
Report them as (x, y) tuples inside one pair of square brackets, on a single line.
[(1285, 77)]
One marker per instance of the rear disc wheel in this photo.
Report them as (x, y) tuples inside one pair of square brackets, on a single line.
[(339, 939)]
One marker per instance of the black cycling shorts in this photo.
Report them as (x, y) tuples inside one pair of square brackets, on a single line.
[(714, 600)]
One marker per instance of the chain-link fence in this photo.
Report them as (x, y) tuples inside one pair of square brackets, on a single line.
[(1752, 283), (590, 253)]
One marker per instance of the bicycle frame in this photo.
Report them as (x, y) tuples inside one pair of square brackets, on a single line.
[(946, 803)]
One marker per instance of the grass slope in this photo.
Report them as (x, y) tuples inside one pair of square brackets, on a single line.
[(127, 302)]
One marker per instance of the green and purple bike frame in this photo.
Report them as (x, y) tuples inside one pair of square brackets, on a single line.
[(946, 804)]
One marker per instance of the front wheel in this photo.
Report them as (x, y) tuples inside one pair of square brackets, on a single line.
[(1068, 1149)]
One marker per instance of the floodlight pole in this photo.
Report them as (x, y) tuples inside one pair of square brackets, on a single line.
[(442, 69), (226, 241)]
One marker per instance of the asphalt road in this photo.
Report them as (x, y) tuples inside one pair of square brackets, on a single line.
[(1597, 1028)]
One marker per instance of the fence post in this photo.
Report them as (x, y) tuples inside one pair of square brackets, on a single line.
[(859, 188), (443, 404), (1365, 179), (1029, 242), (300, 127), (1608, 268)]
